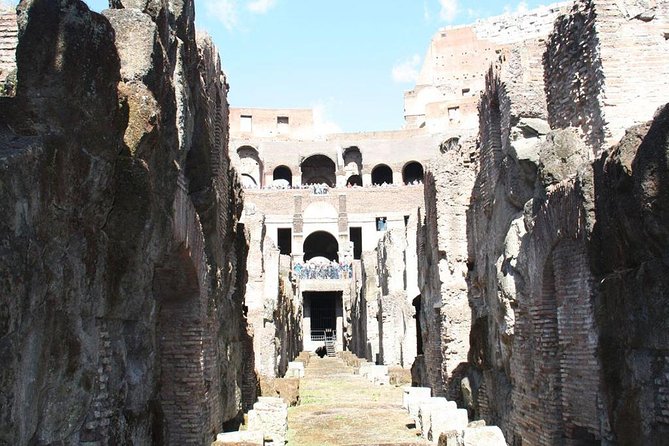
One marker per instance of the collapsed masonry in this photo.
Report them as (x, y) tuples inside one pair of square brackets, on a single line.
[(544, 291), (123, 263)]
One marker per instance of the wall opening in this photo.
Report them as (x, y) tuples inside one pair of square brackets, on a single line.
[(318, 169), (250, 166), (282, 124), (282, 173), (419, 334), (412, 173), (382, 174), (381, 223), (284, 238), (355, 236), (323, 314), (246, 123), (354, 180), (321, 244), (352, 161)]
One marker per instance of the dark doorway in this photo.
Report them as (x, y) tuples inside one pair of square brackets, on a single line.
[(412, 173), (355, 235), (318, 169), (283, 173), (419, 334), (321, 244), (382, 174), (354, 180), (324, 307), (284, 239)]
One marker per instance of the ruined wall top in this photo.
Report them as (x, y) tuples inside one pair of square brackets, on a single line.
[(453, 73), (8, 40)]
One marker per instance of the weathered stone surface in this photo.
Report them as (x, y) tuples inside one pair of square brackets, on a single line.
[(270, 416), (240, 438), (286, 388), (483, 436), (446, 420), (123, 271)]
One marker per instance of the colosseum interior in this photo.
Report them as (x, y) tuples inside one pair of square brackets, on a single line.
[(164, 256)]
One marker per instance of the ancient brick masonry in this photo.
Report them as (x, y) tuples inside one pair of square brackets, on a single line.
[(122, 322), (565, 281), (606, 67), (8, 38)]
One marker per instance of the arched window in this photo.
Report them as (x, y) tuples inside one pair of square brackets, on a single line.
[(318, 169), (412, 172), (382, 174), (250, 166), (354, 180), (321, 244), (283, 173), (352, 161)]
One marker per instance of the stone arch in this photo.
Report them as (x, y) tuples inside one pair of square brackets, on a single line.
[(558, 363), (412, 171), (382, 173), (352, 161), (354, 180), (250, 165), (318, 169), (283, 173), (181, 287), (321, 244)]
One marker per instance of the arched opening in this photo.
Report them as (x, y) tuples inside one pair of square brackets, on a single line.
[(248, 182), (283, 173), (250, 166), (318, 169), (382, 174), (321, 244), (412, 173), (354, 180), (352, 161), (181, 335)]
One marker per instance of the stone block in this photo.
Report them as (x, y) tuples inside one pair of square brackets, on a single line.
[(414, 393), (484, 436), (447, 420), (451, 438), (425, 409), (378, 374), (295, 370), (240, 438), (270, 416)]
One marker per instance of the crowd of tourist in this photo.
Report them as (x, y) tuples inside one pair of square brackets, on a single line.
[(323, 270)]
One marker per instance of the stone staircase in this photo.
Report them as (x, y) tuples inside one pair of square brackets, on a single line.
[(330, 348)]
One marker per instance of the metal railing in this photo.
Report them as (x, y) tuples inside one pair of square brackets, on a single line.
[(323, 335)]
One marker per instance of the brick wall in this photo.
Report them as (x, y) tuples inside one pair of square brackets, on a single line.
[(605, 67)]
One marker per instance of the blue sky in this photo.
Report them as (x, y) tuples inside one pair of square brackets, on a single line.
[(350, 60)]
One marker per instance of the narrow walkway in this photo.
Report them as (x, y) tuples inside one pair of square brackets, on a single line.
[(340, 408)]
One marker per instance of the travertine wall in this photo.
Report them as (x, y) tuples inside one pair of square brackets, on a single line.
[(605, 67), (274, 308), (122, 320), (445, 317)]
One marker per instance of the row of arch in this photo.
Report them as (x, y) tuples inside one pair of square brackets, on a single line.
[(320, 169)]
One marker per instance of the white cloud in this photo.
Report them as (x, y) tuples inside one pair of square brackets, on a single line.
[(520, 8), (449, 9), (407, 70), (323, 125), (261, 6), (426, 12), (225, 11)]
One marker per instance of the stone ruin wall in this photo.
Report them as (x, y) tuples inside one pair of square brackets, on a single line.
[(445, 315), (124, 256), (274, 309), (566, 282), (382, 316), (606, 67)]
